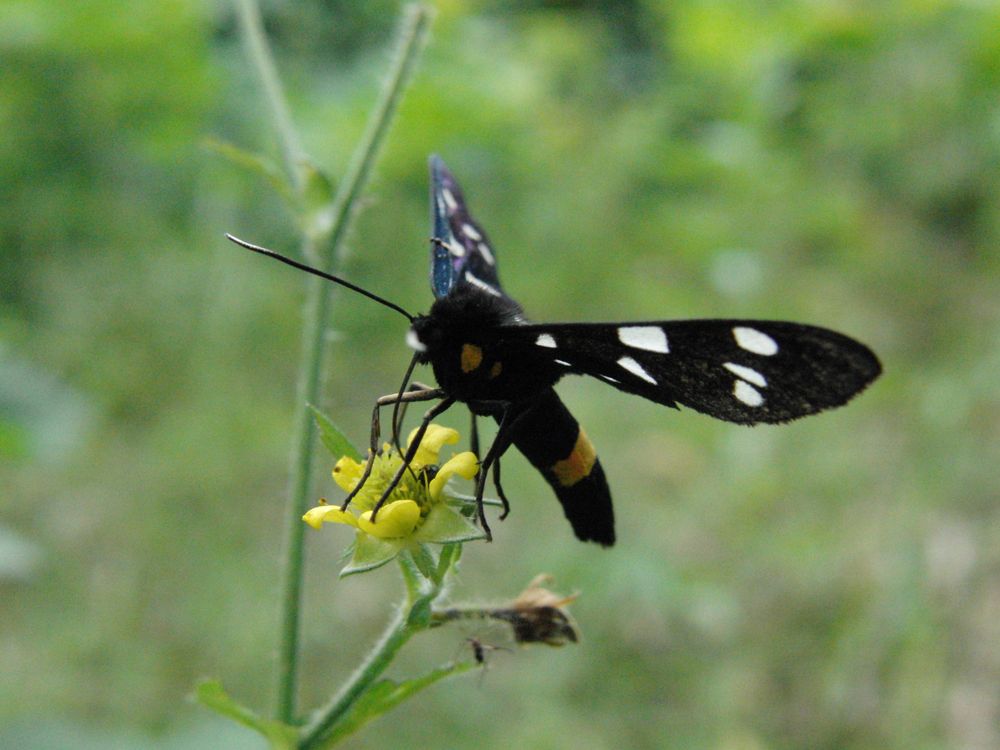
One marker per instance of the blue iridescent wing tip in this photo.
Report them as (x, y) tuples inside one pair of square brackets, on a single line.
[(442, 269)]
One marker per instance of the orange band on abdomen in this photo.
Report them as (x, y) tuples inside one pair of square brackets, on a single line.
[(578, 463)]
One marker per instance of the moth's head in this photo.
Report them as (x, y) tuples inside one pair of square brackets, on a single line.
[(424, 337)]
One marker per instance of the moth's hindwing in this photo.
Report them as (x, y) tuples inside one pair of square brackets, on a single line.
[(555, 444), (461, 253)]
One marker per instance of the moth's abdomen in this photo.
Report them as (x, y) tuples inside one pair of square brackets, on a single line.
[(555, 444)]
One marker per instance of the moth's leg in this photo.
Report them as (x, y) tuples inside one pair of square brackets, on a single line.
[(511, 418), (415, 387), (474, 447), (499, 489), (445, 403), (427, 394), (397, 415), (474, 438)]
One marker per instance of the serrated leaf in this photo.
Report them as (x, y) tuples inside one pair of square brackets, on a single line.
[(331, 436), (212, 695)]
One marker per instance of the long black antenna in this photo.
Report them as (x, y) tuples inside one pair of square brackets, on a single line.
[(321, 274)]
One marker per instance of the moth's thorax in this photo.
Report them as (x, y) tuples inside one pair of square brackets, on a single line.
[(462, 339)]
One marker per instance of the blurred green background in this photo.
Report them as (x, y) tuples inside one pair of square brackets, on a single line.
[(834, 583)]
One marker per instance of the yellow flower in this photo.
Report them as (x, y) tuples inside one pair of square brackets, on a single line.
[(415, 511)]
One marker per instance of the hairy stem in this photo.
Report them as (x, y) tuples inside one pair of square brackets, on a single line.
[(260, 56), (322, 239)]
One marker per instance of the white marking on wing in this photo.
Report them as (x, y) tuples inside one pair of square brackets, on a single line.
[(484, 249), (747, 373), (449, 199), (470, 231), (545, 340), (627, 363), (754, 341), (650, 338), (747, 393), (481, 284)]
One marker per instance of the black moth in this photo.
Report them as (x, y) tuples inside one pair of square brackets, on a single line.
[(485, 354)]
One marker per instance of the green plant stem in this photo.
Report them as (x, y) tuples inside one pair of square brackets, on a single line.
[(316, 310), (394, 638), (409, 44), (322, 238), (411, 618), (260, 56)]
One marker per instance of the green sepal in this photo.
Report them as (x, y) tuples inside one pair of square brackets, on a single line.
[(212, 695), (331, 436), (447, 559), (424, 560), (447, 525), (370, 553)]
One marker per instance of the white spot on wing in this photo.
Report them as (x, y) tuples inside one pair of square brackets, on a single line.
[(449, 199), (747, 393), (650, 338), (747, 373), (456, 249), (413, 341), (484, 249), (546, 340), (754, 341), (470, 231), (562, 362), (627, 363), (481, 284)]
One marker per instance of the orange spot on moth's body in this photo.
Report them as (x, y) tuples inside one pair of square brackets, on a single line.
[(495, 370), (578, 464), (472, 357)]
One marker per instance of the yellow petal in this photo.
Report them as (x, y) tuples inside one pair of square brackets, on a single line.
[(465, 464), (347, 472), (395, 520), (321, 514), (435, 437)]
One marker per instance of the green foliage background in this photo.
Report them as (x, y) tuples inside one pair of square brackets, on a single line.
[(834, 583)]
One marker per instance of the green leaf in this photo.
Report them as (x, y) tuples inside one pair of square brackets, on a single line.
[(370, 553), (333, 438), (257, 164), (385, 695), (212, 695)]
